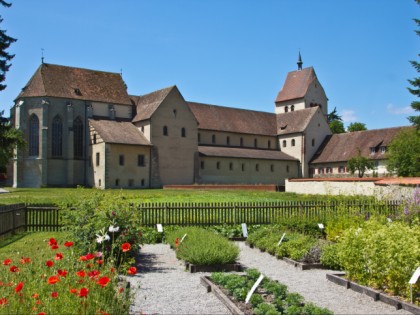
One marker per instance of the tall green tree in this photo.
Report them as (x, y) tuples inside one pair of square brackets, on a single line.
[(337, 126), (359, 164), (333, 116), (10, 138), (5, 57), (403, 156), (356, 126), (415, 90)]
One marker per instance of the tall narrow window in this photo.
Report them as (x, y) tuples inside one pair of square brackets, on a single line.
[(269, 144), (165, 130), (284, 143), (272, 167), (292, 108), (199, 137), (255, 143), (98, 158), (231, 166), (183, 133), (242, 142), (141, 160), (213, 139), (313, 142), (33, 135), (78, 138), (293, 142), (227, 140), (218, 165), (57, 137), (257, 167), (121, 159), (286, 109)]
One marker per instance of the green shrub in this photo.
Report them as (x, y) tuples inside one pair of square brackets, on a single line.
[(202, 247), (312, 309), (265, 309), (329, 257)]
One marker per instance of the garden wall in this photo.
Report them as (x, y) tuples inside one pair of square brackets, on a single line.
[(382, 188)]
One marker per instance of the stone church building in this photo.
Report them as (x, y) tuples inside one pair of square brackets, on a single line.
[(83, 128)]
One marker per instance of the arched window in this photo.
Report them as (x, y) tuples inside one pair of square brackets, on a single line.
[(292, 108), (165, 130), (33, 135), (57, 137), (293, 142), (286, 109), (78, 138), (183, 132), (284, 143)]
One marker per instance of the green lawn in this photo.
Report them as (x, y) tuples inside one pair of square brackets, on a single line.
[(56, 195)]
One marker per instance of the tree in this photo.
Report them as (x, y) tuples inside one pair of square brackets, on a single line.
[(356, 126), (333, 116), (404, 153), (415, 120), (360, 164), (337, 126), (10, 138), (5, 57)]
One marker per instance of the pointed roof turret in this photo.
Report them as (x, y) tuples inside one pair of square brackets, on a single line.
[(299, 63)]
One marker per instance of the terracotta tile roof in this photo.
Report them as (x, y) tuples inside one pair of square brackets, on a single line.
[(296, 84), (295, 121), (112, 131), (76, 83), (343, 146), (147, 104), (409, 181), (244, 153), (228, 119)]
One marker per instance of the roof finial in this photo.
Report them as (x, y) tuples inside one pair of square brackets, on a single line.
[(42, 55), (299, 63), (121, 73)]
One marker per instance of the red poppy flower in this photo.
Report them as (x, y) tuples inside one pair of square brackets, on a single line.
[(19, 287), (52, 242), (132, 270), (93, 274), (54, 246), (81, 273), (83, 292), (14, 269), (3, 301), (177, 242), (62, 273), (54, 294), (7, 262), (68, 244), (103, 281), (25, 260), (41, 313), (121, 290), (89, 256), (99, 261), (73, 291), (53, 280), (58, 256), (35, 295), (125, 247), (49, 263)]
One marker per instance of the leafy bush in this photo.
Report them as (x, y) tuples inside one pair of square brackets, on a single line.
[(202, 247), (105, 218), (381, 255), (329, 257)]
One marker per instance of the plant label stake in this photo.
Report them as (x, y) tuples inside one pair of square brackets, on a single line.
[(389, 220), (412, 281), (281, 240), (182, 239), (254, 287), (321, 226), (244, 230), (159, 228)]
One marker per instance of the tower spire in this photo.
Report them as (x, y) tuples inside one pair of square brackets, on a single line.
[(299, 63)]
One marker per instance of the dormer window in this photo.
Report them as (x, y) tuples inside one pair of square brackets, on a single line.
[(77, 92), (383, 150), (372, 150)]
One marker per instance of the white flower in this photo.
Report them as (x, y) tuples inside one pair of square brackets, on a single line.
[(113, 228), (101, 238)]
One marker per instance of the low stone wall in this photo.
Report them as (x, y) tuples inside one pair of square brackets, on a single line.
[(227, 187), (378, 187)]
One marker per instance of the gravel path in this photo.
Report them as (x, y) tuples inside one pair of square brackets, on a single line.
[(163, 287)]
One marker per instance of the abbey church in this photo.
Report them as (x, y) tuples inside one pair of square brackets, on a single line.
[(83, 128)]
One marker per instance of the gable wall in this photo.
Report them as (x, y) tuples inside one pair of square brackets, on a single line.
[(316, 94), (298, 103)]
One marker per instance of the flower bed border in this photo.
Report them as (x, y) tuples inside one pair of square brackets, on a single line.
[(338, 278), (211, 287), (303, 265), (213, 268)]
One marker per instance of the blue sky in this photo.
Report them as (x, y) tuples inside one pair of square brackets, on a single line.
[(233, 53)]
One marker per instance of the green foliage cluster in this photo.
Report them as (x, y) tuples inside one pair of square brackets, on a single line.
[(106, 220), (359, 164), (382, 255), (202, 247), (297, 246), (280, 302)]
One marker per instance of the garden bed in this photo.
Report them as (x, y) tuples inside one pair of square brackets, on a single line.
[(375, 294), (303, 265), (212, 268)]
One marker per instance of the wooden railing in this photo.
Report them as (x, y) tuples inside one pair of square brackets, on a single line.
[(21, 217)]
